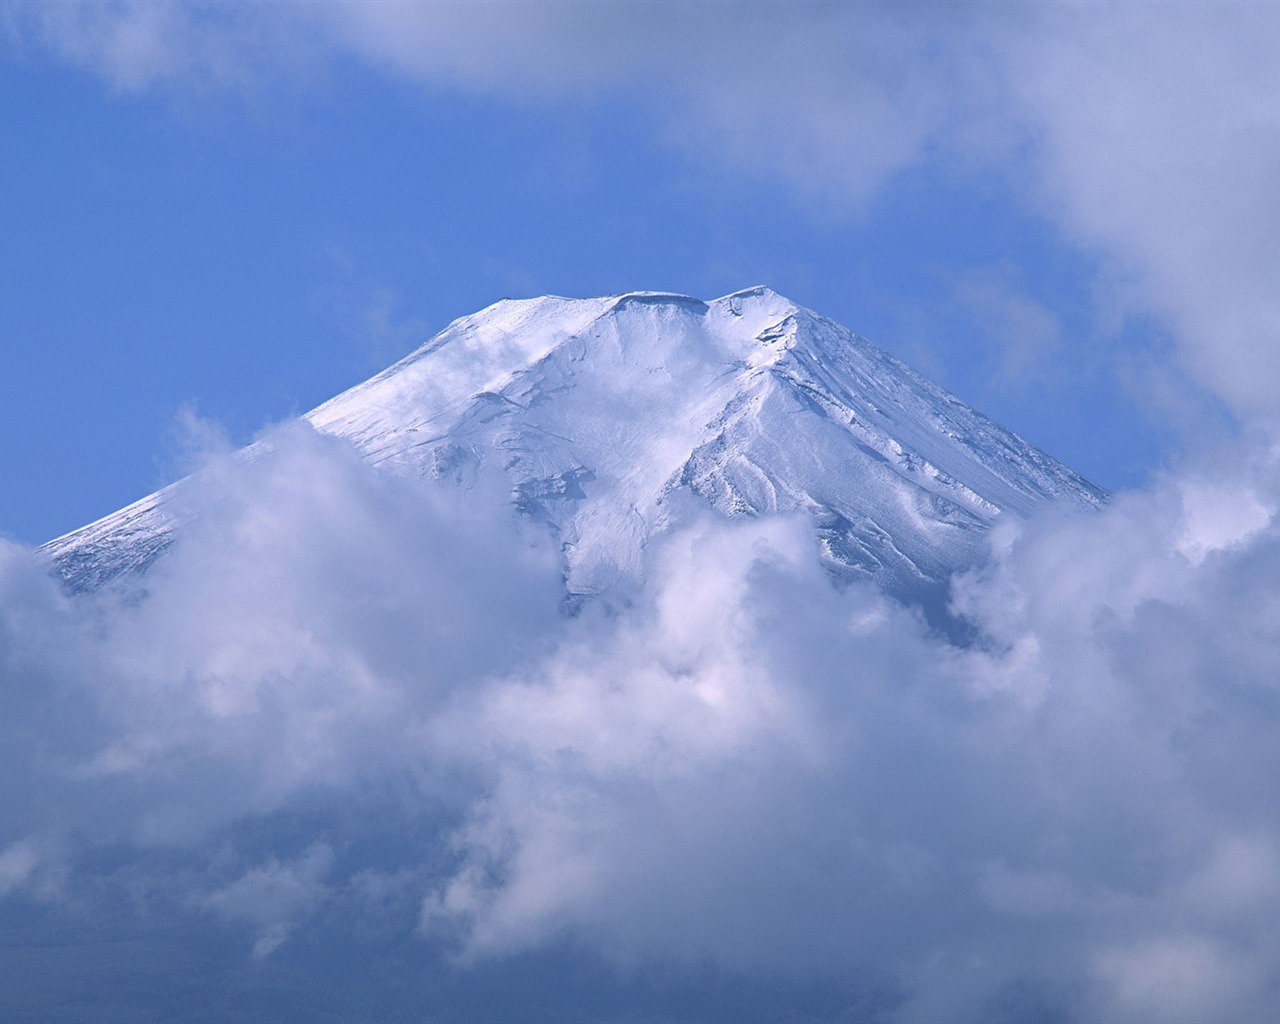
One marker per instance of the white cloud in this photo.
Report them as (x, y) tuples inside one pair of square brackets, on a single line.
[(18, 862), (1025, 336), (1051, 806), (314, 610), (833, 99), (274, 898), (1147, 136), (1156, 142), (348, 694), (1183, 979)]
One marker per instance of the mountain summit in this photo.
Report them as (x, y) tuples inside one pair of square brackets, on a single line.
[(613, 416)]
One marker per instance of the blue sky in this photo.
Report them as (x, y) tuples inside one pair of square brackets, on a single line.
[(248, 246)]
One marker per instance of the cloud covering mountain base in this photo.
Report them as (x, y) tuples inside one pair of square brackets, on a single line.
[(348, 722)]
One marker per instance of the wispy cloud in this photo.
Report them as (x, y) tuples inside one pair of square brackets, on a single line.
[(1024, 337), (1146, 136)]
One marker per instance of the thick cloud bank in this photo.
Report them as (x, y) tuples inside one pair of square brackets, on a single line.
[(349, 709)]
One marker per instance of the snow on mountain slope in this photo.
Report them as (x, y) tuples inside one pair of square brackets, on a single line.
[(613, 416)]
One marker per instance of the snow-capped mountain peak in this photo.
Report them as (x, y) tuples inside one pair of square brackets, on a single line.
[(608, 415)]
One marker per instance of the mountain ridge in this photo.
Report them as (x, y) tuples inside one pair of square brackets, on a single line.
[(601, 411)]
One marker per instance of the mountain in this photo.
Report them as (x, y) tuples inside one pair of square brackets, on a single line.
[(613, 417)]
